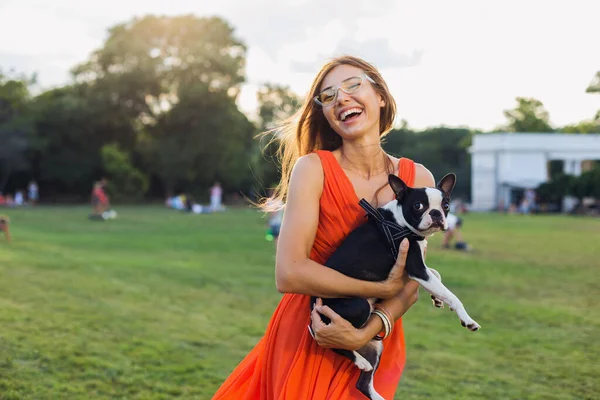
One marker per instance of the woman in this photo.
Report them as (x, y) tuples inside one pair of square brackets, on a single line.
[(331, 157)]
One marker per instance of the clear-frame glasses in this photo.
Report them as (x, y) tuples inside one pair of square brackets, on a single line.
[(351, 85)]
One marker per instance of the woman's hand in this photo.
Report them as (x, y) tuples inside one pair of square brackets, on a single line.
[(338, 334), (397, 278)]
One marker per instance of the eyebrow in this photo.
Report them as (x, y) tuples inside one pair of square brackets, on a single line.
[(329, 87)]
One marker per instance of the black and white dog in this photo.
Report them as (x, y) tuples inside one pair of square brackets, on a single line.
[(370, 251)]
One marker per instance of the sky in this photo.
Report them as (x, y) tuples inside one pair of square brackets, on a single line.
[(454, 63)]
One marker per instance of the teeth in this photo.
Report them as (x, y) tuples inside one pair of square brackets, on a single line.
[(348, 112)]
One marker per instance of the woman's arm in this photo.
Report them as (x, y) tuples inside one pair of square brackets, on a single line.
[(295, 272)]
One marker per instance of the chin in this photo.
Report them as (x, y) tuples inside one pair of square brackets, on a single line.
[(431, 230)]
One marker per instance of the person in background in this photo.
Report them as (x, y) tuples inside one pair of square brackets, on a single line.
[(274, 208), (454, 232), (216, 195), (100, 201), (19, 198), (33, 193)]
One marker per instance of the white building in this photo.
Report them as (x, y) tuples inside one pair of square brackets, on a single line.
[(504, 162)]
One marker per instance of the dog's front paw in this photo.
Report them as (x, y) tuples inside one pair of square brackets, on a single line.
[(470, 324)]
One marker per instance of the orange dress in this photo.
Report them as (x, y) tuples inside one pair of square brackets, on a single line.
[(287, 363)]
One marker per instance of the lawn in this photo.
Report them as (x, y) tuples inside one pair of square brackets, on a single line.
[(159, 305)]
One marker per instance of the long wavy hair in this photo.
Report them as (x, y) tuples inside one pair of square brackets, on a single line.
[(307, 130)]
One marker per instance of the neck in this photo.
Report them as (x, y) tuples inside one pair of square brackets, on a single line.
[(367, 161)]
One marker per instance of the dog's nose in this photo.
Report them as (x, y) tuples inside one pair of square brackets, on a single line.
[(435, 214)]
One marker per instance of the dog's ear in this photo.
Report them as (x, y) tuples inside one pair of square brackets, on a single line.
[(446, 184), (398, 186)]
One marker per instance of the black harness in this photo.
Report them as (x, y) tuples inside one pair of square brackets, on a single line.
[(393, 232)]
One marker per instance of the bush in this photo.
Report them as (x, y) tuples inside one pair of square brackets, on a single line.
[(126, 182)]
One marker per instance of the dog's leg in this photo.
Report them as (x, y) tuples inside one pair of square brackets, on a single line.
[(433, 285), (437, 302), (358, 360), (372, 353)]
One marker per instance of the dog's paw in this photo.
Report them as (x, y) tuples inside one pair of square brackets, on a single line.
[(437, 302), (362, 363), (470, 325)]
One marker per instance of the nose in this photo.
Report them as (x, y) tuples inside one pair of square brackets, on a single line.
[(436, 215), (341, 95)]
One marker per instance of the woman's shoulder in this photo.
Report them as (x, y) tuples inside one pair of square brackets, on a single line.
[(307, 174), (423, 176), (309, 164)]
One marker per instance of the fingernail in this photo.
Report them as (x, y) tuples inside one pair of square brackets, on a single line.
[(404, 243)]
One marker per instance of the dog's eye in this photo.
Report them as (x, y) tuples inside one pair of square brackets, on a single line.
[(446, 207), (419, 206)]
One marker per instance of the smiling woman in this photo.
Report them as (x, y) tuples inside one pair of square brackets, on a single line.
[(331, 157)]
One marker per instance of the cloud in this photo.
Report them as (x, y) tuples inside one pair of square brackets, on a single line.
[(376, 51), (55, 70), (275, 25)]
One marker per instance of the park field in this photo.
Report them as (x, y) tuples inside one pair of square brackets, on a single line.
[(159, 304)]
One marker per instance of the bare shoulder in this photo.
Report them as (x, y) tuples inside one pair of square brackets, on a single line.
[(307, 174), (309, 166), (423, 177)]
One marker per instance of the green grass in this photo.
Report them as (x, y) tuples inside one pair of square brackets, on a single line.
[(162, 305)]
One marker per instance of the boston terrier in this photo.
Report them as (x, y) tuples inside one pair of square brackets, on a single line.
[(369, 252)]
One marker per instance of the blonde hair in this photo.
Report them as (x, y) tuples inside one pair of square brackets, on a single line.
[(308, 130)]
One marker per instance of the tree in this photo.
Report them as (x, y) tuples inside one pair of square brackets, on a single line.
[(145, 62), (586, 185), (588, 126), (16, 127), (553, 191), (73, 123), (529, 116), (202, 139), (125, 181), (177, 78), (276, 103), (440, 149), (594, 86)]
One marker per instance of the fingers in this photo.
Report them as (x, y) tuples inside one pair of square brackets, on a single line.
[(403, 251), (328, 312), (315, 317), (319, 309)]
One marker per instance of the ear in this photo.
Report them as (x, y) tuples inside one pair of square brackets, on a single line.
[(381, 102), (447, 184), (398, 186)]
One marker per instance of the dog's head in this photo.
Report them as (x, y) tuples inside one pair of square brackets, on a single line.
[(4, 220), (424, 210)]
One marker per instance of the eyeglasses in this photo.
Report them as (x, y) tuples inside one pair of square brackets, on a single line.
[(351, 85)]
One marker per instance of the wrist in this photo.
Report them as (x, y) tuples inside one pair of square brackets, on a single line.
[(382, 291), (363, 336), (371, 329)]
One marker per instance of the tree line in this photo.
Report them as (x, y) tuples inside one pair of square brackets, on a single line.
[(154, 109)]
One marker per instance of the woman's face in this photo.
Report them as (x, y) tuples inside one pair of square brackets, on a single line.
[(352, 115)]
